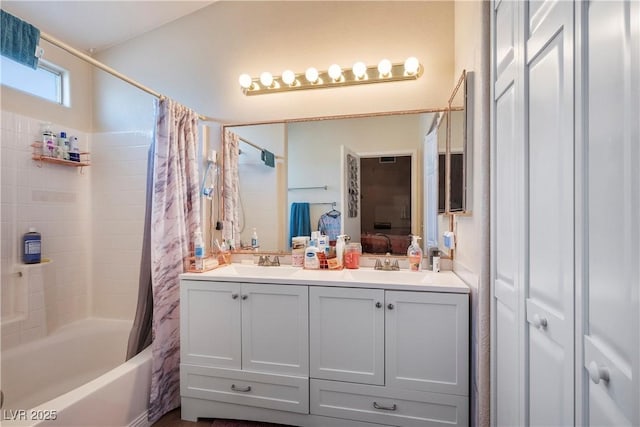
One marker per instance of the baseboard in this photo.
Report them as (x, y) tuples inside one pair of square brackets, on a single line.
[(141, 420)]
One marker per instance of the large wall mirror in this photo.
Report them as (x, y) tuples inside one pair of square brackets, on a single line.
[(361, 175)]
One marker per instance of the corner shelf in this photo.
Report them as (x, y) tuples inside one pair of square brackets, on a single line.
[(37, 156)]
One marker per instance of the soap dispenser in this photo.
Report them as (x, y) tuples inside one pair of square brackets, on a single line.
[(414, 253)]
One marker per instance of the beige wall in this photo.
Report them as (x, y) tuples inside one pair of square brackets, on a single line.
[(79, 113), (471, 261), (197, 59)]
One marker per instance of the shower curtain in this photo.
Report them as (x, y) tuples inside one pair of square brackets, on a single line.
[(231, 195), (175, 217)]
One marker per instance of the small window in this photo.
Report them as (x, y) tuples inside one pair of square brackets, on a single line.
[(45, 82)]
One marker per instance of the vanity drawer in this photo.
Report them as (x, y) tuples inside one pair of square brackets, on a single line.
[(378, 404), (281, 392)]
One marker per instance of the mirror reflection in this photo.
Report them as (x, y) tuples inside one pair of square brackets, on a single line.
[(377, 178)]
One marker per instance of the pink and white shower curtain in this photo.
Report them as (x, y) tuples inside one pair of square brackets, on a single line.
[(230, 188), (175, 217)]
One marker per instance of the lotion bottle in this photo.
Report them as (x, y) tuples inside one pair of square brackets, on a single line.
[(311, 260), (414, 253)]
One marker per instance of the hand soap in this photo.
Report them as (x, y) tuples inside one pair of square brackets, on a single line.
[(414, 253)]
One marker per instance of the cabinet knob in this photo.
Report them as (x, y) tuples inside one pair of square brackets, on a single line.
[(390, 306), (378, 304), (234, 296), (539, 322), (385, 408), (245, 296), (597, 373), (243, 389)]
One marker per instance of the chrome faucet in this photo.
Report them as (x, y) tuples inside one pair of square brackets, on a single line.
[(387, 265), (264, 261)]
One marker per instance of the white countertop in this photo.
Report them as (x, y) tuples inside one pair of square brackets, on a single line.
[(444, 281)]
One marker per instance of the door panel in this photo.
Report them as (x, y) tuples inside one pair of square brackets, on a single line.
[(347, 334), (611, 340), (549, 305), (440, 320), (275, 325), (211, 331)]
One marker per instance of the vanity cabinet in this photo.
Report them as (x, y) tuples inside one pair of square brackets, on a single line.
[(397, 357), (311, 354), (245, 343)]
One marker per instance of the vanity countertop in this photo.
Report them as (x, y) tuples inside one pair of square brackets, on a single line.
[(444, 281)]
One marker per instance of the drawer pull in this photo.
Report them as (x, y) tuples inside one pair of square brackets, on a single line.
[(234, 296), (385, 408), (378, 304), (243, 390), (539, 322), (245, 296), (390, 306)]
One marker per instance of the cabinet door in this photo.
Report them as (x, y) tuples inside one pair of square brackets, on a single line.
[(427, 341), (347, 334), (275, 328), (210, 324)]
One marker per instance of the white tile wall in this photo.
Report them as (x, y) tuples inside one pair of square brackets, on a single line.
[(118, 201), (55, 200)]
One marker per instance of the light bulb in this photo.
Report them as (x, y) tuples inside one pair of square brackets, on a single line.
[(335, 72), (245, 81), (288, 77), (411, 65), (311, 74), (266, 79), (384, 68), (359, 69)]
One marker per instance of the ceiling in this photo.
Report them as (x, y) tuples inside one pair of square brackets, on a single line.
[(92, 26)]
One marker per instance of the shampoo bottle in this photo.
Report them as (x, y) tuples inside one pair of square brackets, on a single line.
[(198, 249), (414, 253)]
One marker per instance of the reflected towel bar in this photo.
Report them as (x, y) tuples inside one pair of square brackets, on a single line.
[(322, 187)]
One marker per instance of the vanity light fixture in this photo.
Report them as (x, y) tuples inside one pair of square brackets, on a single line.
[(335, 76)]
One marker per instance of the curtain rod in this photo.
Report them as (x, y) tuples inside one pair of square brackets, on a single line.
[(256, 146), (62, 45)]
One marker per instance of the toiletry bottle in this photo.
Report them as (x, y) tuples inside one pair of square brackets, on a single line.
[(31, 247), (48, 140), (63, 146), (414, 252), (74, 149), (340, 249), (198, 249), (254, 240), (311, 260), (436, 261)]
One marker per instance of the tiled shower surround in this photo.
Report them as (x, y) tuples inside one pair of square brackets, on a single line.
[(91, 221)]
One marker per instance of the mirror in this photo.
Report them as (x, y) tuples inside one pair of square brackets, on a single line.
[(384, 175)]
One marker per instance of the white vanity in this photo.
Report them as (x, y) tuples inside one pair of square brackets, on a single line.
[(325, 348)]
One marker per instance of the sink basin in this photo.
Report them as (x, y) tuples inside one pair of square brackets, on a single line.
[(387, 277), (247, 270)]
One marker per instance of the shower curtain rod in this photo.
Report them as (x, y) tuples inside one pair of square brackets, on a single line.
[(62, 45), (256, 146)]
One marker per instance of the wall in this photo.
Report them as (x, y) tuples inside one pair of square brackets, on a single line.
[(471, 260), (55, 200), (78, 114), (118, 194), (197, 59)]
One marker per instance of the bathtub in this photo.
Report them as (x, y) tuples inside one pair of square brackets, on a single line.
[(76, 377)]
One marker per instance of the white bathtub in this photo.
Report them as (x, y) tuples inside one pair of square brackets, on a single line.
[(77, 377)]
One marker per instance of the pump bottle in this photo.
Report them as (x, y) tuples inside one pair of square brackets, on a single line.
[(414, 253)]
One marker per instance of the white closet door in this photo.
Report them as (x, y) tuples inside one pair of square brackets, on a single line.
[(549, 306), (507, 178), (611, 302)]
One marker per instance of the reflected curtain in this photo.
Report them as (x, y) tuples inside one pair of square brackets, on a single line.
[(230, 189), (175, 217)]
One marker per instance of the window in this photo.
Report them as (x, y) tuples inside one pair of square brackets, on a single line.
[(45, 82)]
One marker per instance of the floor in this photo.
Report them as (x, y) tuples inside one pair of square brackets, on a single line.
[(172, 419)]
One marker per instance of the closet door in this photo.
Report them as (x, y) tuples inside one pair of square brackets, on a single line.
[(612, 220), (550, 212), (507, 180)]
